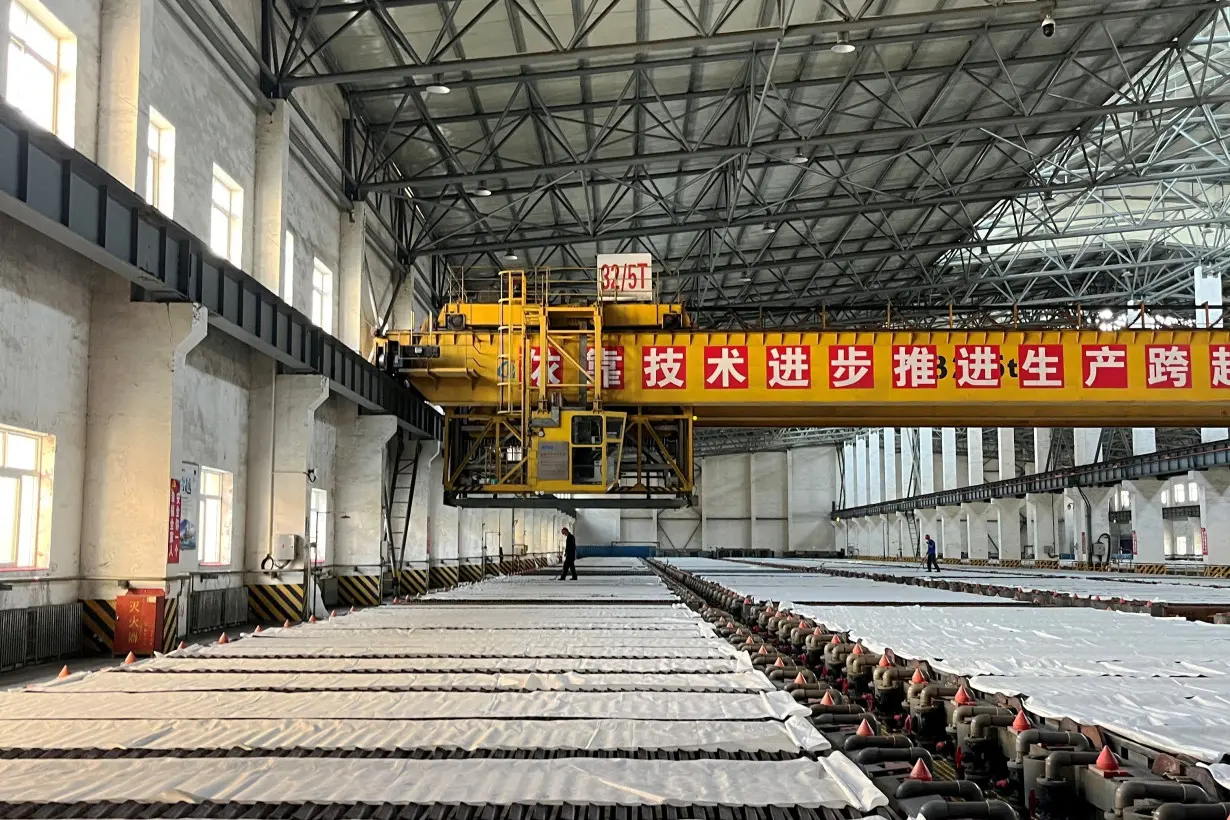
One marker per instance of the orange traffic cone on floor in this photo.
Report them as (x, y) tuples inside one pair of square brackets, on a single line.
[(258, 630), (800, 680), (182, 645), (64, 673), (224, 639), (864, 729), (817, 631), (312, 619), (333, 614), (920, 771), (1020, 723), (827, 700), (779, 663), (286, 624), (764, 650), (963, 697), (351, 611), (1107, 762), (131, 658), (884, 661), (918, 676), (857, 650), (836, 640), (395, 600)]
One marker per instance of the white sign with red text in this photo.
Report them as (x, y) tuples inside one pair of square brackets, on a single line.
[(625, 277)]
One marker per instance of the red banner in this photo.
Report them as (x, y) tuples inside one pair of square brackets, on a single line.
[(173, 526)]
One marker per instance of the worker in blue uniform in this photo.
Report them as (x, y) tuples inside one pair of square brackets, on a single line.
[(932, 563)]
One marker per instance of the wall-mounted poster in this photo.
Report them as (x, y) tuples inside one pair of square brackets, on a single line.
[(190, 476)]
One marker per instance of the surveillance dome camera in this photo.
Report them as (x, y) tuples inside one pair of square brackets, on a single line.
[(1048, 26)]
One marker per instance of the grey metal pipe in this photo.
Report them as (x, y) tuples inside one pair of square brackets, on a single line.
[(979, 725), (818, 709), (892, 754), (989, 809), (1057, 761), (965, 789), (964, 713), (853, 718), (857, 664), (885, 675), (935, 690), (855, 742), (1051, 737), (1130, 791), (1192, 811)]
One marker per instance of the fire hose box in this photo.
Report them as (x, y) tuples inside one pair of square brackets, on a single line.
[(138, 621)]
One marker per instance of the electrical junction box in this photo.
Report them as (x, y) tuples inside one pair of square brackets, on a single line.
[(287, 546)]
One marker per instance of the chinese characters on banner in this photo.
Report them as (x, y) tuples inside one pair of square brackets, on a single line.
[(554, 363), (612, 367), (911, 367), (173, 523)]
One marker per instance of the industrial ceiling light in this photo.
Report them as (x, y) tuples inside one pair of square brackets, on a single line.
[(768, 228), (1106, 314), (437, 88), (482, 190), (843, 44), (510, 257), (799, 159)]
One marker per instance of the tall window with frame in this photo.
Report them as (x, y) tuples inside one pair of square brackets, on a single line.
[(226, 218), (318, 525), (42, 57), (160, 164), (20, 498), (288, 269), (214, 527), (322, 296)]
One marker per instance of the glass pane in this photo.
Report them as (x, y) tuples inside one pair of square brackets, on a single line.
[(211, 483), (222, 195), (211, 512), (27, 535), (1180, 494), (21, 453), (151, 180), (31, 87), (1191, 493), (1165, 497), (41, 41), (17, 20), (10, 492), (219, 231)]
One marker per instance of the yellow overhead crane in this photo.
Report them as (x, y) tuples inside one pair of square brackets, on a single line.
[(516, 432)]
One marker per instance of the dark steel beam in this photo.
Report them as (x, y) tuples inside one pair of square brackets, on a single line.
[(834, 140)]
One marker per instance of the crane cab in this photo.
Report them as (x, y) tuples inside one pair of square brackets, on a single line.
[(577, 451)]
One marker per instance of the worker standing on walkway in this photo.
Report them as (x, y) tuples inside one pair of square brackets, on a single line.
[(931, 562), (570, 555)]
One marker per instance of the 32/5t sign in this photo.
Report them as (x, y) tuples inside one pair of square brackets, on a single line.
[(625, 276)]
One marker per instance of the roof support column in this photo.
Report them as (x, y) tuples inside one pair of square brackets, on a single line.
[(846, 475), (926, 461), (909, 475), (358, 510), (875, 471), (1077, 534), (1008, 532), (351, 280), (1092, 545), (1148, 526), (1041, 513), (1215, 516), (125, 47), (890, 464), (952, 533), (1208, 292), (272, 183), (1006, 452), (860, 472), (896, 523), (977, 531), (975, 461), (948, 457), (1144, 441)]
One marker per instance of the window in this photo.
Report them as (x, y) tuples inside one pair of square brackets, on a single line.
[(160, 164), (23, 512), (318, 529), (288, 269), (1192, 498), (1125, 499), (1180, 545), (1180, 494), (226, 218), (1165, 497), (214, 527), (42, 61), (322, 296)]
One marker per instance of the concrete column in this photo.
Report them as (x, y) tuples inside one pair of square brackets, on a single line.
[(926, 461), (1041, 514), (787, 502), (359, 491), (875, 470), (5, 6), (975, 456), (909, 477), (928, 524), (1144, 441), (861, 494), (977, 530), (281, 435), (132, 448), (896, 533), (1085, 442), (1091, 520), (1208, 291), (948, 457), (1214, 489), (1148, 526), (1042, 448), (1008, 532), (890, 464), (272, 185), (1007, 452), (847, 473), (125, 45), (951, 544), (351, 281)]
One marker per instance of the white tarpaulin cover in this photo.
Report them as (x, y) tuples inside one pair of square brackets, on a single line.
[(651, 618), (831, 782), (51, 705), (108, 681), (793, 735), (185, 662)]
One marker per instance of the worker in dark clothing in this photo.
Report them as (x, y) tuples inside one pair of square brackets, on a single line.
[(570, 555), (931, 562)]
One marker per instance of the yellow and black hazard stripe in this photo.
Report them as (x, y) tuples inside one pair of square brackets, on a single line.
[(1046, 563), (170, 624), (98, 624), (491, 569), (1150, 569), (358, 590), (472, 573), (275, 603), (1081, 566), (1217, 572), (442, 577), (1010, 562), (412, 582)]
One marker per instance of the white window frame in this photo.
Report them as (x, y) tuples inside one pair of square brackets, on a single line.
[(160, 164), (229, 247), (287, 290), (219, 505), (1193, 496), (322, 296), (318, 525), (30, 516), (63, 66)]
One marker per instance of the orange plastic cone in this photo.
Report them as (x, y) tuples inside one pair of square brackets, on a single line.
[(224, 639), (258, 630), (920, 771), (64, 673), (962, 698), (182, 645), (779, 663), (351, 612), (1107, 762), (395, 600), (918, 677), (827, 700), (836, 640), (884, 661), (764, 650), (333, 614), (131, 658), (286, 624), (817, 631), (799, 679), (312, 619), (857, 650), (864, 729), (1020, 723)]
